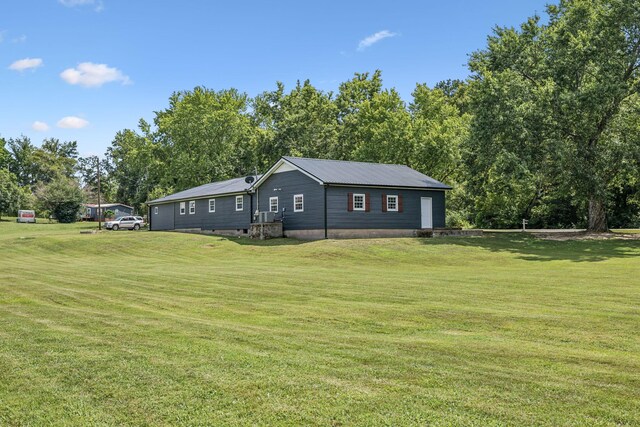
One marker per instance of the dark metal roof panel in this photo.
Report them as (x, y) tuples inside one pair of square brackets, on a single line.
[(235, 185), (367, 174)]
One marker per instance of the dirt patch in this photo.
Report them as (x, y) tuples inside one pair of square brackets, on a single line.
[(584, 235)]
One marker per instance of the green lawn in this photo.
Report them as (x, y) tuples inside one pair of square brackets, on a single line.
[(143, 328)]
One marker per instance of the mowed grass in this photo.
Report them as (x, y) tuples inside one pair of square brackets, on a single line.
[(151, 328)]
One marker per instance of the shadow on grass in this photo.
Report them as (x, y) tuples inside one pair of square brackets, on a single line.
[(247, 241), (530, 248)]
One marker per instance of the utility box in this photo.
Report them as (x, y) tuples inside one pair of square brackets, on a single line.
[(265, 217)]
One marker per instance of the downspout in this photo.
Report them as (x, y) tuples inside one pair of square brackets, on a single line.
[(325, 212)]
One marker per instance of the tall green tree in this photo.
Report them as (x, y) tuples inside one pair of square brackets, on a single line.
[(439, 130), (207, 135), (350, 99), (545, 95), (302, 122), (4, 154), (10, 192), (135, 164)]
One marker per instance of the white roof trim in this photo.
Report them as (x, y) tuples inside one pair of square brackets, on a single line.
[(275, 167)]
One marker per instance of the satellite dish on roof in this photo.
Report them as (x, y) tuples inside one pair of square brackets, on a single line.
[(249, 179)]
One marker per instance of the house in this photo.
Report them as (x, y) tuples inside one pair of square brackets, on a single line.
[(313, 199), (90, 211), (223, 207)]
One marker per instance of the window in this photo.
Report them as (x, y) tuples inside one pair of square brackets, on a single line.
[(273, 204), (298, 203), (358, 202), (192, 207), (155, 210), (212, 205), (88, 211), (182, 208), (392, 203), (239, 203)]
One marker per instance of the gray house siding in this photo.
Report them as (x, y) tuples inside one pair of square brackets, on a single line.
[(338, 216), (225, 216), (284, 186), (164, 219)]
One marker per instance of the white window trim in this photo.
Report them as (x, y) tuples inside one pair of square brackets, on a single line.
[(364, 201), (183, 208), (214, 205), (395, 196), (155, 210), (271, 199), (192, 203), (241, 199), (294, 202)]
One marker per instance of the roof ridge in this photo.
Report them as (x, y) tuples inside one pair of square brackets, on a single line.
[(345, 161)]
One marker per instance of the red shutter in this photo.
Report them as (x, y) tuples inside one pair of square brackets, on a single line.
[(399, 202), (384, 203), (350, 202), (367, 202)]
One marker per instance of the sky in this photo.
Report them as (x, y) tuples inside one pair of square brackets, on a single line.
[(84, 69)]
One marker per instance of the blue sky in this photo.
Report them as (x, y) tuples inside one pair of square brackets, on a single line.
[(84, 69)]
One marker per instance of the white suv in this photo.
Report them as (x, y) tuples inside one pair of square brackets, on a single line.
[(130, 222)]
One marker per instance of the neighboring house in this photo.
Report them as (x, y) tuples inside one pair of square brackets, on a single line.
[(314, 199), (90, 211)]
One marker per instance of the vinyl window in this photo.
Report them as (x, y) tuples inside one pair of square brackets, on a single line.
[(358, 202), (192, 207), (239, 203), (298, 203), (392, 203), (183, 209), (273, 204), (212, 205), (155, 210)]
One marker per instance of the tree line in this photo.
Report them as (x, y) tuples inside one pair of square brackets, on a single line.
[(546, 127)]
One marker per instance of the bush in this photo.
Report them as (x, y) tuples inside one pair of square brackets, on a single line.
[(62, 197)]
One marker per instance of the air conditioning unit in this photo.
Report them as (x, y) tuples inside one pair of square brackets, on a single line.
[(265, 217)]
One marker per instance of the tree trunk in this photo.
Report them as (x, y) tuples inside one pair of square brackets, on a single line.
[(597, 216)]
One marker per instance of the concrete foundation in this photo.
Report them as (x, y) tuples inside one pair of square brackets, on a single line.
[(232, 233), (265, 231)]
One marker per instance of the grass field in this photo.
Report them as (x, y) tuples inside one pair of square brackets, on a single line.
[(125, 328)]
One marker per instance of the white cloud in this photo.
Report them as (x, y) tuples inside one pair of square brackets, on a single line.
[(99, 6), (40, 126), (375, 38), (72, 122), (26, 64), (20, 39), (89, 74)]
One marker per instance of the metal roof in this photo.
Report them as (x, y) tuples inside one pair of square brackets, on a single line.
[(366, 174), (106, 205), (230, 186)]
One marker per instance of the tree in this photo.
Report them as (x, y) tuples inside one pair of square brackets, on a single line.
[(300, 123), (439, 129), (351, 97), (88, 172), (4, 154), (62, 197), (545, 96), (10, 194), (22, 163), (207, 136)]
